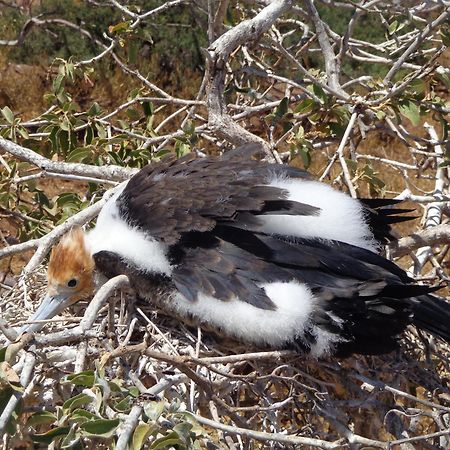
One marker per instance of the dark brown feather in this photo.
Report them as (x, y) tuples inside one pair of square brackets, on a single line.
[(177, 196)]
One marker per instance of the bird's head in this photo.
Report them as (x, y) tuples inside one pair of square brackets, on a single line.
[(70, 277)]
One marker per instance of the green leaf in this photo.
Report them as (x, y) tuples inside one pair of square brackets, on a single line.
[(50, 436), (49, 98), (305, 106), (40, 418), (196, 428), (75, 402), (133, 114), (102, 427), (342, 114), (380, 114), (189, 128), (320, 93), (282, 108), (445, 36), (63, 199), (369, 176), (70, 71), (352, 165), (8, 114), (63, 141), (82, 378), (305, 155), (183, 430), (417, 87), (57, 83), (79, 154), (154, 409), (88, 136), (141, 434), (94, 110), (65, 124), (134, 391), (71, 439), (148, 108), (23, 132), (134, 93), (411, 111), (133, 49), (119, 27), (393, 27), (101, 130), (182, 148), (124, 404), (170, 440), (82, 416)]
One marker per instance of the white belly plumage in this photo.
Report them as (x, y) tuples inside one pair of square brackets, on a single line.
[(294, 303)]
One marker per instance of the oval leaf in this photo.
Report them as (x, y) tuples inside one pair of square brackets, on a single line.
[(141, 433), (102, 428), (40, 418), (75, 402), (8, 115), (154, 409), (86, 378), (50, 436)]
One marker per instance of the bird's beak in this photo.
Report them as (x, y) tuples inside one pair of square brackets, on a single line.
[(50, 307)]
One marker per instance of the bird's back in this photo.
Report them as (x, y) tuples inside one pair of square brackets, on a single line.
[(259, 252)]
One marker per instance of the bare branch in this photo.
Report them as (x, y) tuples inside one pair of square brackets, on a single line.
[(219, 52), (439, 234), (268, 437), (115, 173), (415, 44), (332, 67)]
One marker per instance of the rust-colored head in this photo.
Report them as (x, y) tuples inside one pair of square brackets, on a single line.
[(70, 277), (71, 267)]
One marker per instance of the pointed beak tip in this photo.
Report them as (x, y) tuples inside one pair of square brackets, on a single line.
[(51, 305)]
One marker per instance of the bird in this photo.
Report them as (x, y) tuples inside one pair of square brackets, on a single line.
[(258, 252)]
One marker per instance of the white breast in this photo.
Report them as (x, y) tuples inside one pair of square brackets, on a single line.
[(113, 234)]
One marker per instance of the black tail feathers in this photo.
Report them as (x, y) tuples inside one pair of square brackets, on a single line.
[(381, 214), (433, 315)]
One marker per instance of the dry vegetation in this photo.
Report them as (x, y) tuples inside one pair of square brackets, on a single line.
[(362, 102)]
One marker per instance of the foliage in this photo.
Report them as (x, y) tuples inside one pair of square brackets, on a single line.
[(83, 417)]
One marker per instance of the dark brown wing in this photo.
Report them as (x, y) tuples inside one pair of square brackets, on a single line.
[(177, 196)]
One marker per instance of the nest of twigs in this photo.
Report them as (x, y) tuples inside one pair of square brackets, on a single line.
[(160, 384)]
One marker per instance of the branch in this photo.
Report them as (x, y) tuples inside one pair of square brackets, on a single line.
[(415, 44), (128, 427), (111, 172), (332, 67), (218, 55), (99, 300), (26, 382), (263, 436), (439, 234)]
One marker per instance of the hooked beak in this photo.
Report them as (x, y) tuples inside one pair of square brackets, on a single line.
[(50, 307)]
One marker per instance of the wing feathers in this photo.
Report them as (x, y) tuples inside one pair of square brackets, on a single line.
[(210, 217), (174, 197)]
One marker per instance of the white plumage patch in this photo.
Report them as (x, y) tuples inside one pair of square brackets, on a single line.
[(113, 234), (341, 218), (294, 303), (325, 342)]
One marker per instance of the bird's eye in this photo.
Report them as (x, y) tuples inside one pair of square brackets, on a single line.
[(72, 283)]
